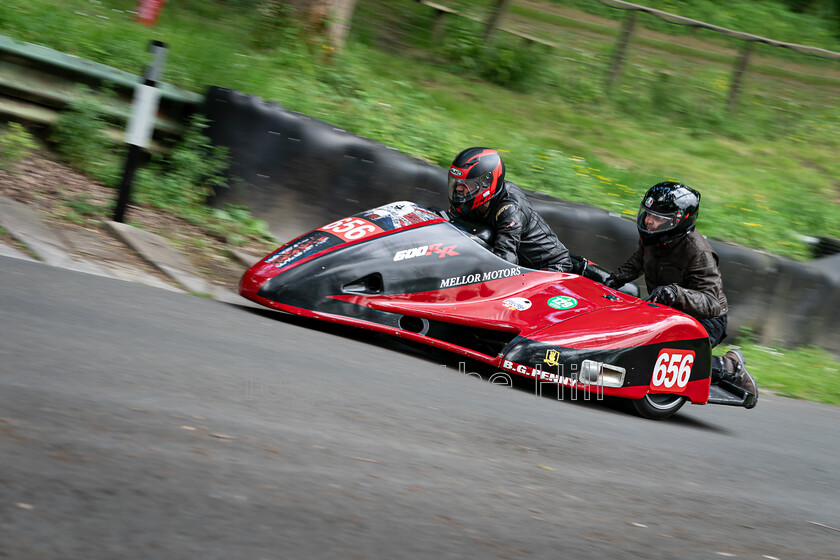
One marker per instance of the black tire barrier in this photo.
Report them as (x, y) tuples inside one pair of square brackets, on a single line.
[(602, 237), (783, 302), (826, 331), (800, 313), (826, 246), (299, 173), (748, 279)]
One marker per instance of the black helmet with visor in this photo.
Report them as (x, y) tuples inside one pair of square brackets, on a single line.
[(668, 212), (475, 177)]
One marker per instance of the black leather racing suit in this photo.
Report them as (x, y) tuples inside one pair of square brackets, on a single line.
[(522, 236)]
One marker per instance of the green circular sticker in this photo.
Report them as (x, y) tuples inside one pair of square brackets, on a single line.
[(562, 302)]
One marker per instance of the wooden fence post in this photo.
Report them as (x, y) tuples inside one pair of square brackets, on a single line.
[(621, 50), (437, 23), (437, 26), (498, 12), (738, 76)]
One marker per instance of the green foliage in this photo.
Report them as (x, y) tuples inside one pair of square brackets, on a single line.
[(274, 25), (504, 61), (807, 372), (343, 80), (179, 182), (550, 170), (82, 210), (84, 206), (202, 295), (574, 83), (667, 99), (187, 175), (236, 224), (79, 136), (182, 181), (15, 144), (664, 100)]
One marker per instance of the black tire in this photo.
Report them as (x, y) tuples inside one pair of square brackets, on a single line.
[(658, 406)]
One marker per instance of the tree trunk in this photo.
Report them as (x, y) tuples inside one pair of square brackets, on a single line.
[(329, 19), (341, 14)]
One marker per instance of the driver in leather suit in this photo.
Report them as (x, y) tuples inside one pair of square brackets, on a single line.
[(478, 192), (681, 271)]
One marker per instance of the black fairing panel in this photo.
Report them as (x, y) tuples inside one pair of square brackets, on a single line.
[(427, 257), (636, 361)]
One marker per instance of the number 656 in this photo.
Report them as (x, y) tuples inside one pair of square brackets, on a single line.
[(673, 367)]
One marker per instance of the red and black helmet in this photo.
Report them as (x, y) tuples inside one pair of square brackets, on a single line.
[(667, 213), (475, 177)]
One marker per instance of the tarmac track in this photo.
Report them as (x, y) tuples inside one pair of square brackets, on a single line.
[(137, 422)]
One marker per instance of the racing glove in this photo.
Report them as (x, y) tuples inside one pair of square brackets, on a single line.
[(612, 282), (666, 295)]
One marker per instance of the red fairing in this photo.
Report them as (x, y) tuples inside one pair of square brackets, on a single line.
[(405, 271), (254, 278), (527, 305), (501, 304), (623, 326)]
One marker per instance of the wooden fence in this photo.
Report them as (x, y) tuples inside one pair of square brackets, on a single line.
[(620, 52)]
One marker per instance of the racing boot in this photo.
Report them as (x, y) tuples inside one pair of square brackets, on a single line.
[(735, 372)]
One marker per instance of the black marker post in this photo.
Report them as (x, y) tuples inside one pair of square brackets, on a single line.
[(138, 133)]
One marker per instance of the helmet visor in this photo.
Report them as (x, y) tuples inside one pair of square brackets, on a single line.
[(462, 190), (654, 222)]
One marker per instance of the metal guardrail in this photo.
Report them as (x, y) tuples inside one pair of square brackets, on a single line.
[(37, 83)]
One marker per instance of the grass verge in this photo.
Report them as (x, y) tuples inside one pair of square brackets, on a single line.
[(807, 373)]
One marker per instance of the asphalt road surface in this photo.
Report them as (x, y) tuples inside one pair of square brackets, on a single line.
[(141, 423)]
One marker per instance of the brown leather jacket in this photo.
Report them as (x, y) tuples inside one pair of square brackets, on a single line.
[(690, 264)]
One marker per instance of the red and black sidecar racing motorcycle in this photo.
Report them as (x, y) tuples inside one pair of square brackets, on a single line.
[(408, 271)]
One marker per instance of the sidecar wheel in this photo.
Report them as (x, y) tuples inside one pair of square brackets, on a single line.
[(658, 406)]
